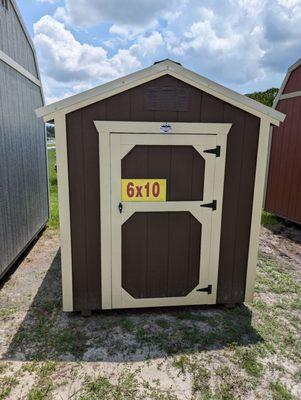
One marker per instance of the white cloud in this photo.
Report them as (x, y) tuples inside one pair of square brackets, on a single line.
[(237, 41), (127, 13), (244, 44), (70, 66)]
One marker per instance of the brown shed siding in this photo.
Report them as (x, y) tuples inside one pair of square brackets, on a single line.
[(294, 81), (131, 105), (283, 196)]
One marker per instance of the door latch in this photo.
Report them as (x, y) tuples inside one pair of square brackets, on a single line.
[(120, 207), (207, 289)]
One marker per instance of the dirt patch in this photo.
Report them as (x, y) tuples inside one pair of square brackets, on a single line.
[(169, 353), (284, 243)]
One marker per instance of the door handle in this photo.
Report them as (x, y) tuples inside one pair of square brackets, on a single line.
[(120, 207)]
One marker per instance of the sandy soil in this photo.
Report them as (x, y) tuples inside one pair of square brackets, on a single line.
[(249, 352)]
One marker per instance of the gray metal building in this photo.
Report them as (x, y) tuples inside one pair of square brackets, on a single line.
[(24, 206)]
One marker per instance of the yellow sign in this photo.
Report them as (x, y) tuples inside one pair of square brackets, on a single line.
[(143, 189)]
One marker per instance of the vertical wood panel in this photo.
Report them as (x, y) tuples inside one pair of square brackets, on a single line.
[(230, 202), (245, 202), (161, 254), (134, 255), (294, 82), (283, 187), (179, 260), (78, 210), (158, 233), (92, 199)]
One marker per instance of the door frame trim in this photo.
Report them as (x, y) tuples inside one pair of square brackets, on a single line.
[(105, 129)]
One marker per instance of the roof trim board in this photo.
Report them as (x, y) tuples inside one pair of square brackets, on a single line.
[(286, 78), (290, 95), (167, 67), (17, 67)]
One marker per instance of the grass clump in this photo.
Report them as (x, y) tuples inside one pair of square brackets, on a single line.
[(6, 386), (248, 360), (101, 388), (54, 211), (268, 219), (280, 392)]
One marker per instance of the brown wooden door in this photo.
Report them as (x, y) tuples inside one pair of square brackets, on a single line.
[(161, 250)]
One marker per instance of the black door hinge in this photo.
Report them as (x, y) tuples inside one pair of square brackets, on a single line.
[(210, 205), (120, 207), (216, 151), (207, 289)]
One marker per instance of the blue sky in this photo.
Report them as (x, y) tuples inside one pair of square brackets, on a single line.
[(246, 45)]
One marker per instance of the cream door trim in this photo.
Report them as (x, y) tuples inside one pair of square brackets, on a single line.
[(105, 128), (218, 194), (64, 210), (260, 178)]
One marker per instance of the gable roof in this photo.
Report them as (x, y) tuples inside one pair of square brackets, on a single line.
[(165, 67), (287, 76)]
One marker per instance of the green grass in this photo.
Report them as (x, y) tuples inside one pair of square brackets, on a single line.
[(280, 392), (6, 386), (101, 388), (54, 212), (48, 339), (268, 219)]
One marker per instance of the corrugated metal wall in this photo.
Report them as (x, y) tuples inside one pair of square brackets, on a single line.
[(23, 172), (13, 40)]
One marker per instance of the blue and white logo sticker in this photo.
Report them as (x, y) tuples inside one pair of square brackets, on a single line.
[(166, 128)]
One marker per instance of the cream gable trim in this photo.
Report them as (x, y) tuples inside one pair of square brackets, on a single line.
[(290, 95), (286, 78), (155, 71), (17, 67)]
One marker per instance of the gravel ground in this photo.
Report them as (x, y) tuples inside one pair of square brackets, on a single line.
[(247, 352)]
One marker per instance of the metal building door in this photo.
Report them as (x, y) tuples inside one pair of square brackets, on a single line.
[(162, 204)]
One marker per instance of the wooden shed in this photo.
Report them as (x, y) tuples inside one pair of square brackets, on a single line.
[(23, 159), (283, 193), (161, 177)]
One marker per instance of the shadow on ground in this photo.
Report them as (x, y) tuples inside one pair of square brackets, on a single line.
[(286, 230), (46, 333)]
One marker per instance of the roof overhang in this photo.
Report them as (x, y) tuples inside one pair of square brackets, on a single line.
[(166, 67), (287, 76)]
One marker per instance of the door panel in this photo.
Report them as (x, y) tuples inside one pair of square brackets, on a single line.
[(160, 254), (161, 250), (182, 166)]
